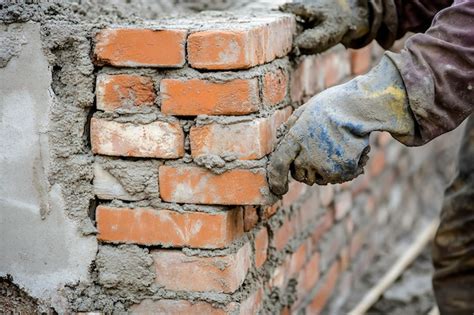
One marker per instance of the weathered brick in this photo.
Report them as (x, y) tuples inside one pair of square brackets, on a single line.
[(361, 60), (298, 259), (124, 91), (283, 234), (169, 228), (136, 47), (249, 45), (275, 86), (222, 274), (178, 307), (261, 247), (250, 217), (190, 184), (157, 139), (307, 279), (193, 97), (256, 138), (322, 296)]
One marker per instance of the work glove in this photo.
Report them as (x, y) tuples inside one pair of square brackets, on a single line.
[(329, 22), (327, 139)]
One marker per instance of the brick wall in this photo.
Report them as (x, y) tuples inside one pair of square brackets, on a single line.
[(186, 115)]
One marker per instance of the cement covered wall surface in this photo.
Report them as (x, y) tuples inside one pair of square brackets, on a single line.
[(41, 247)]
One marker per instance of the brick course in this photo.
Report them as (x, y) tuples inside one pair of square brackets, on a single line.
[(220, 242)]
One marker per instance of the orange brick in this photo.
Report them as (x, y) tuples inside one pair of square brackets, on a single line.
[(157, 139), (176, 307), (298, 259), (256, 138), (179, 272), (275, 86), (284, 233), (361, 60), (203, 97), (307, 279), (261, 247), (168, 228), (310, 273), (323, 294), (190, 184), (241, 48), (250, 217), (129, 47), (124, 91)]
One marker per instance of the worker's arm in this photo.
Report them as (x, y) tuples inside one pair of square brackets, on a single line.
[(355, 23), (426, 90)]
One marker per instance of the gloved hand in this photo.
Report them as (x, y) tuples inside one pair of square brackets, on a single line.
[(329, 22), (328, 138)]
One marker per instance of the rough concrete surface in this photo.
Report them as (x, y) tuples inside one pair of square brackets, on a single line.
[(43, 242)]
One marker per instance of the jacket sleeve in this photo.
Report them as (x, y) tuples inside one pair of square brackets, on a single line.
[(437, 68), (391, 19)]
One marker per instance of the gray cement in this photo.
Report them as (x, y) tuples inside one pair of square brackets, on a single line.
[(40, 242)]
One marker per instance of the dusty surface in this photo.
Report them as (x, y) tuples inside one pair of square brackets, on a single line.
[(14, 300), (412, 292)]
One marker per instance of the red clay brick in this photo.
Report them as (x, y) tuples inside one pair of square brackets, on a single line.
[(129, 47), (307, 279), (256, 138), (202, 97), (169, 228), (283, 234), (157, 139), (250, 217), (275, 86), (323, 294), (179, 272), (176, 307), (298, 259), (261, 247), (310, 273), (190, 184), (124, 91), (361, 60), (241, 48)]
